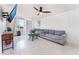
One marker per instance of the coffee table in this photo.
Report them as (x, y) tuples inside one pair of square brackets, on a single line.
[(33, 36)]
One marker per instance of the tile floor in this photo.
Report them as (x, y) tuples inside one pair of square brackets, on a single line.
[(24, 46)]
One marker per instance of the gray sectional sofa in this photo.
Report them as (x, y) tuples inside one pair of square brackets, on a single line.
[(57, 36)]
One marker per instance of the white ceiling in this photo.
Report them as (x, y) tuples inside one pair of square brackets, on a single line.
[(27, 10), (59, 8)]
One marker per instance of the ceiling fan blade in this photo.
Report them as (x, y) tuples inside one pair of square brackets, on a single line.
[(35, 8), (46, 11)]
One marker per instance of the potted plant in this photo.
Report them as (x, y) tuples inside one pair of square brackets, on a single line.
[(33, 31)]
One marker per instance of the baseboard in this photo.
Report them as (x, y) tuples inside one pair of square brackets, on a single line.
[(52, 41)]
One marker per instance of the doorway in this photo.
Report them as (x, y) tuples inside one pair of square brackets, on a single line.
[(20, 26)]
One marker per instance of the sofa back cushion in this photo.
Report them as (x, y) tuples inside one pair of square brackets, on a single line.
[(59, 32), (51, 31), (46, 31)]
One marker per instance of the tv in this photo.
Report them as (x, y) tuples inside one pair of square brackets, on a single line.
[(12, 14)]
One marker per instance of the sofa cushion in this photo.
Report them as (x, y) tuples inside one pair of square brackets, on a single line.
[(59, 32)]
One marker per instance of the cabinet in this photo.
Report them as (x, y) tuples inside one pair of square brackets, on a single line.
[(7, 38)]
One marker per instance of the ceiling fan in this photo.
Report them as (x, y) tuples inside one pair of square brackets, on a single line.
[(40, 10)]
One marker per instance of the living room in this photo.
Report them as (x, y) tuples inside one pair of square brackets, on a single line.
[(62, 17)]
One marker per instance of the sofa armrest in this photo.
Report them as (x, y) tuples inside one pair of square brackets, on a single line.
[(64, 35)]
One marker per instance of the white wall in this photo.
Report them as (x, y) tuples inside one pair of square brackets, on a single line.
[(2, 28), (35, 23), (68, 21)]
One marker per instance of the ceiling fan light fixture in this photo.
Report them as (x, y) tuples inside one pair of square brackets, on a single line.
[(40, 10), (41, 13)]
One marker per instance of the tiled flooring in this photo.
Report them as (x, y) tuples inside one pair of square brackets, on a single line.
[(25, 46)]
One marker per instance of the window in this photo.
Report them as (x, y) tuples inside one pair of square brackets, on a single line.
[(20, 23)]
